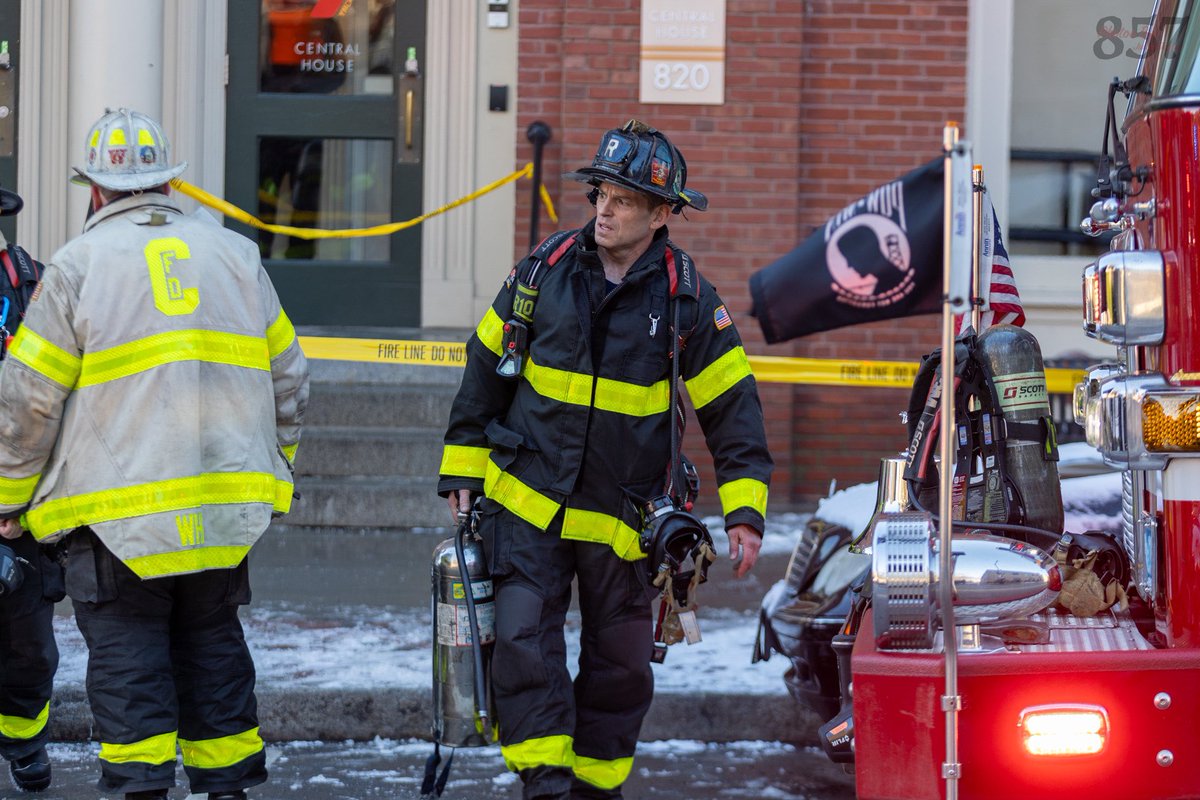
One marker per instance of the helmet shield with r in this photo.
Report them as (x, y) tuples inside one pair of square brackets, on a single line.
[(641, 158)]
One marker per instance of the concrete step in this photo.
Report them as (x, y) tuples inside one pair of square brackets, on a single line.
[(379, 406), (360, 502), (378, 452)]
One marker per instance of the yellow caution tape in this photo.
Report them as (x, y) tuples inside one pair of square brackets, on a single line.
[(831, 372), (767, 369), (383, 351), (233, 212)]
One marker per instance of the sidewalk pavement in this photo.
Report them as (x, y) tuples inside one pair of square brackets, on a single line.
[(340, 629)]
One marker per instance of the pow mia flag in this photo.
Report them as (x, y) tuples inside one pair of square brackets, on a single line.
[(878, 258)]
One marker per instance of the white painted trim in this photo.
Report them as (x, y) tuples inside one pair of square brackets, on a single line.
[(1181, 480), (194, 90), (467, 252), (447, 241), (44, 150), (989, 94), (116, 60)]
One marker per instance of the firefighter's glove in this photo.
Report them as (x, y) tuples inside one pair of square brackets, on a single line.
[(1087, 590)]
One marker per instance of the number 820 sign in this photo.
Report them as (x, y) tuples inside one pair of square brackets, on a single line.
[(683, 51)]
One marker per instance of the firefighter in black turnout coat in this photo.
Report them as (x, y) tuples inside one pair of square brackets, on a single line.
[(569, 446), (28, 651)]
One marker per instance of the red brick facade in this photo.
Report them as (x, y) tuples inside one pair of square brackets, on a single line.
[(824, 100)]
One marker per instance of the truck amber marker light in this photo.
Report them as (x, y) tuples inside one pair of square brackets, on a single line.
[(1171, 422), (1064, 730)]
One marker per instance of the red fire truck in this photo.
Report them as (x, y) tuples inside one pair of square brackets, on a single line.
[(1048, 703)]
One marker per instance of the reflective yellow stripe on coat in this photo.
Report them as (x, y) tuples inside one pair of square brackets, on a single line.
[(280, 335), (45, 358), (718, 377), (491, 331), (528, 504), (576, 388), (175, 494), (18, 491), (594, 526), (745, 492), (463, 461), (144, 354)]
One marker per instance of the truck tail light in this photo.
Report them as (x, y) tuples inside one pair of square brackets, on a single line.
[(1064, 730)]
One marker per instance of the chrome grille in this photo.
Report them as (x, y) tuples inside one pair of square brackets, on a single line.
[(902, 578)]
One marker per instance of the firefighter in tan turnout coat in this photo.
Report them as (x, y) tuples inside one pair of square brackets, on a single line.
[(150, 409)]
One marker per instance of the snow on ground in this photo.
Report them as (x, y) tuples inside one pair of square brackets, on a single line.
[(393, 650), (359, 647)]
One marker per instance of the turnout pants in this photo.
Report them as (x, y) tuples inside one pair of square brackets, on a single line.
[(567, 739), (28, 652), (167, 666)]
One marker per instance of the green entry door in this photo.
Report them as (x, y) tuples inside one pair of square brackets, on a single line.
[(10, 67), (324, 131)]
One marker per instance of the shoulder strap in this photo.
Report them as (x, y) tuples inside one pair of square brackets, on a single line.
[(553, 247), (515, 337), (23, 274), (10, 271), (548, 253), (685, 284)]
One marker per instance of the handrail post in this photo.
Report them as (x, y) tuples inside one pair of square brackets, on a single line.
[(538, 133)]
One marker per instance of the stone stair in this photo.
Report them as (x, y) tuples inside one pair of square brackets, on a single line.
[(371, 446)]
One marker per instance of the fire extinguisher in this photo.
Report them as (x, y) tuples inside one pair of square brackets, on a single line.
[(464, 630)]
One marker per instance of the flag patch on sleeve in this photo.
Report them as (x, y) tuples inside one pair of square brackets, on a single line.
[(721, 318)]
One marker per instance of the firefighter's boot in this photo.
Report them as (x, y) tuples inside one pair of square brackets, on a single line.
[(31, 773)]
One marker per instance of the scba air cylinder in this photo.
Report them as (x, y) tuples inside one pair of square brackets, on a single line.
[(1015, 361), (455, 722)]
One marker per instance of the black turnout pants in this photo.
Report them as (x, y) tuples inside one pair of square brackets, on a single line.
[(167, 666), (545, 719), (28, 652)]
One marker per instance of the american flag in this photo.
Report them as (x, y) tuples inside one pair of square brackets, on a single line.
[(1002, 303)]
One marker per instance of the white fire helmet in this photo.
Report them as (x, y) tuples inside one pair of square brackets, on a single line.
[(127, 151)]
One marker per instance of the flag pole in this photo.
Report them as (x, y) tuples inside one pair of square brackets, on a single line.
[(977, 288), (955, 296)]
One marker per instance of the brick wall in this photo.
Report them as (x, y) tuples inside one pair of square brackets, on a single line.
[(824, 100)]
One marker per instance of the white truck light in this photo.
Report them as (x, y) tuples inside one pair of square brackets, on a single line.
[(1123, 298), (1064, 730)]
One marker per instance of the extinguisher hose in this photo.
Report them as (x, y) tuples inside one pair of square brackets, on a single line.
[(472, 620)]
